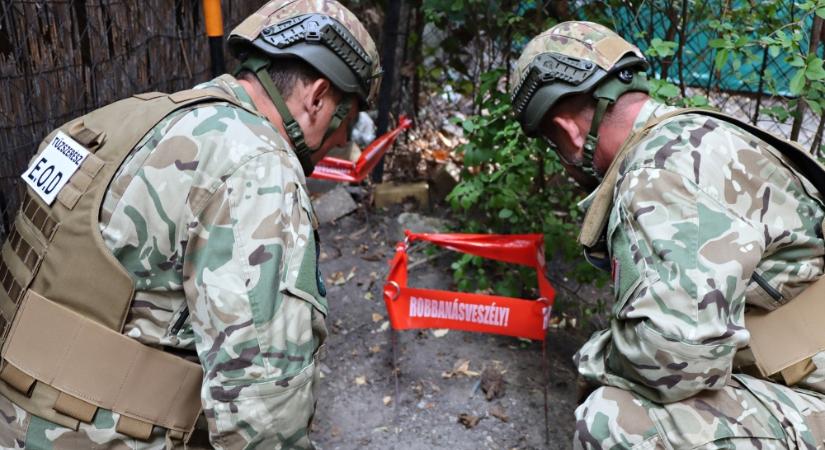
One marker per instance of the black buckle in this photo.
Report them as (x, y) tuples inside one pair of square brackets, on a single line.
[(296, 135)]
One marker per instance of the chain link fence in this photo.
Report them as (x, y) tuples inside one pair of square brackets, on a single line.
[(62, 58), (754, 89)]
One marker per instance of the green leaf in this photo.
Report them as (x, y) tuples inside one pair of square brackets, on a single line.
[(820, 12), (505, 213), (814, 70), (796, 61), (797, 82), (815, 106), (773, 50), (720, 59), (697, 100), (718, 43), (668, 90), (662, 48)]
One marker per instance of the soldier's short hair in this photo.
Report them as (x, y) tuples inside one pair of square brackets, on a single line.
[(286, 72)]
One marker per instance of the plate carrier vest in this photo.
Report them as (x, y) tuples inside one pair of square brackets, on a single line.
[(65, 297)]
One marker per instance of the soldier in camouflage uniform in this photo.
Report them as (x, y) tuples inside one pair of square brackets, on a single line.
[(699, 219), (211, 218)]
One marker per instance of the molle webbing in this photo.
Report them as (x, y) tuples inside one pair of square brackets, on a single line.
[(92, 366), (25, 246), (55, 256)]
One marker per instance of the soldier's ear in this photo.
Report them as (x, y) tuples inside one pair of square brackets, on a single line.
[(318, 95), (569, 131)]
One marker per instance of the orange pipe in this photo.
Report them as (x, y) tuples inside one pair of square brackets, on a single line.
[(213, 18)]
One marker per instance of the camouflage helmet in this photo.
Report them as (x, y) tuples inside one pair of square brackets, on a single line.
[(574, 58), (324, 33)]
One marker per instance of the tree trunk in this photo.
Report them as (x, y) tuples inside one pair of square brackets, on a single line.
[(799, 114), (388, 50)]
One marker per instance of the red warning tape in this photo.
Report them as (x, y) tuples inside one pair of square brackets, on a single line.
[(411, 308), (337, 169)]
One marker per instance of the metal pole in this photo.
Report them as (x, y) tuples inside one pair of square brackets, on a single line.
[(546, 367), (388, 62), (682, 39), (214, 30)]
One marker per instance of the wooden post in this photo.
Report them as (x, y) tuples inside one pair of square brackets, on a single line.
[(214, 30)]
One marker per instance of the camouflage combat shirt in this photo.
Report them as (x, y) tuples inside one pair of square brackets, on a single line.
[(706, 219), (210, 216)]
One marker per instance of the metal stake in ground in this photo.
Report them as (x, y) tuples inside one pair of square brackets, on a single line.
[(546, 387), (394, 343)]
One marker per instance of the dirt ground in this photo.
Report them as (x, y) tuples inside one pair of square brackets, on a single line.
[(359, 406)]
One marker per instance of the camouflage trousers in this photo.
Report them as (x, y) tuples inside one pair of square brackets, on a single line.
[(748, 413)]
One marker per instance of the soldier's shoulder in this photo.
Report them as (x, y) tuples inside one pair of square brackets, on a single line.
[(680, 143), (222, 136)]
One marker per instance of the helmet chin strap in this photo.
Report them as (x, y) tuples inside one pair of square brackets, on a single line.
[(258, 65), (607, 94)]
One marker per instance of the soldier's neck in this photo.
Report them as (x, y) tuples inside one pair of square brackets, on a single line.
[(262, 102), (617, 129)]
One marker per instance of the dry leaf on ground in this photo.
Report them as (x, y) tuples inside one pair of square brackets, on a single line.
[(498, 412), (468, 420), (492, 383), (360, 381), (377, 317), (461, 367), (336, 279), (387, 400)]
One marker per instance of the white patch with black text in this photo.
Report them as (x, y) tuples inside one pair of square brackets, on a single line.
[(53, 167)]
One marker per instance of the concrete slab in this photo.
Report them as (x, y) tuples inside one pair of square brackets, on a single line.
[(334, 204)]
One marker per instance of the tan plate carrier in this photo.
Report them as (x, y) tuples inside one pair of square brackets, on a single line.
[(782, 341), (64, 296)]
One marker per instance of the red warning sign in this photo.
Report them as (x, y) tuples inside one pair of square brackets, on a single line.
[(411, 308)]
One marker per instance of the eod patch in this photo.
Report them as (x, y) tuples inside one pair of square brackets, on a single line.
[(52, 168)]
